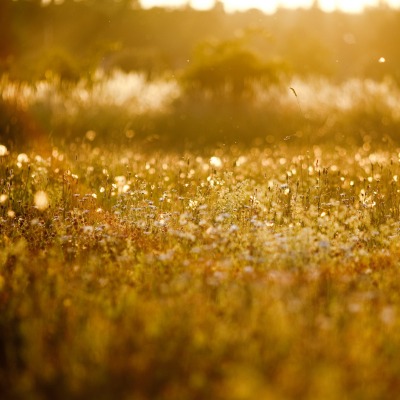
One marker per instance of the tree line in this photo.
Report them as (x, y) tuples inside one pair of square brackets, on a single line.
[(75, 38)]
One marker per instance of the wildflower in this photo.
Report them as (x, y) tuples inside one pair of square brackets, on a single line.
[(88, 229), (193, 204), (248, 269), (221, 217), (233, 228), (324, 244)]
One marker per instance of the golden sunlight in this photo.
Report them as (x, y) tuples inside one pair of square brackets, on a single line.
[(271, 5)]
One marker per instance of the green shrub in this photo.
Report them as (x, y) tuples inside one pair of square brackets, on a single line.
[(229, 67)]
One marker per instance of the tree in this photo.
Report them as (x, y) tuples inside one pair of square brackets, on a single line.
[(5, 33)]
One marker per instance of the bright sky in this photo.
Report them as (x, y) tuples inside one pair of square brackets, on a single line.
[(270, 6)]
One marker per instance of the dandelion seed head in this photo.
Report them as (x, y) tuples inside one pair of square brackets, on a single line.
[(241, 161), (90, 135), (22, 158), (120, 180), (3, 150), (41, 200), (215, 162)]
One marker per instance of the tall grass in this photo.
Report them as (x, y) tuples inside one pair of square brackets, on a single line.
[(124, 106)]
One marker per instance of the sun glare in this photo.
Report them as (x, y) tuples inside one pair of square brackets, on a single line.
[(270, 6), (348, 5), (202, 4)]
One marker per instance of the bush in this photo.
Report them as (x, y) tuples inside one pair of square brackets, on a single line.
[(229, 67), (55, 62)]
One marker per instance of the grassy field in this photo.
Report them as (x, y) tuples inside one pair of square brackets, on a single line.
[(231, 273)]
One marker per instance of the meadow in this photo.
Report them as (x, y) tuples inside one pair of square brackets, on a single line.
[(222, 272), (198, 205)]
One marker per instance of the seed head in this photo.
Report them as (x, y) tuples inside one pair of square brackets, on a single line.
[(41, 200)]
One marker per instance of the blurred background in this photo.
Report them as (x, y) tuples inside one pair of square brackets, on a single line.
[(200, 72)]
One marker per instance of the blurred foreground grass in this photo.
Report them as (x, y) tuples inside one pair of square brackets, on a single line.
[(230, 274)]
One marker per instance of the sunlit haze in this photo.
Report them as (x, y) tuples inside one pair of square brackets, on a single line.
[(271, 5)]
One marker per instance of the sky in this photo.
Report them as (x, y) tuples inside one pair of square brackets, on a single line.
[(270, 6)]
